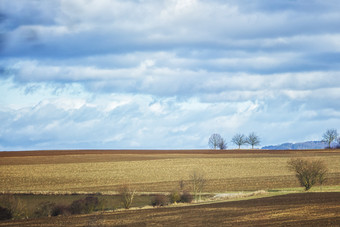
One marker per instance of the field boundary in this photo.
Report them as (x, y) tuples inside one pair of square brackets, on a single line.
[(152, 152)]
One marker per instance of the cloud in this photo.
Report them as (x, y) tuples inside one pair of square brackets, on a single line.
[(137, 121), (110, 27), (125, 74), (149, 78)]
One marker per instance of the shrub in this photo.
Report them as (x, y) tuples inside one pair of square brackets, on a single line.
[(44, 209), (175, 197), (60, 210), (15, 205), (91, 203), (308, 172), (5, 214), (84, 206), (78, 206), (186, 197), (160, 200)]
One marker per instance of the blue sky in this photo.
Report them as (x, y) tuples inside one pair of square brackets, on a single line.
[(166, 74)]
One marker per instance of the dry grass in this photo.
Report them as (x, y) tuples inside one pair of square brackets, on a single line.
[(89, 171)]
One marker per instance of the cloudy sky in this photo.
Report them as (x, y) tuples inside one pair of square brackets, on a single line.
[(166, 74)]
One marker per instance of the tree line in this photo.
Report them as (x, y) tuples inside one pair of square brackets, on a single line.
[(216, 141)]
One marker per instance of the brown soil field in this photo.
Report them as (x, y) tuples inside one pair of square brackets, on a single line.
[(92, 171), (302, 209), (145, 152)]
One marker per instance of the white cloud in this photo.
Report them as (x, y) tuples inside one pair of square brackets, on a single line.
[(148, 78), (167, 71)]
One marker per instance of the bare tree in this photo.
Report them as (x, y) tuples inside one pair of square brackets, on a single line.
[(223, 144), (198, 183), (329, 136), (181, 185), (253, 140), (126, 195), (239, 140), (308, 172), (214, 141), (322, 177)]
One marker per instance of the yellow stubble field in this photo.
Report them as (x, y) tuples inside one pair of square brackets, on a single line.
[(153, 171)]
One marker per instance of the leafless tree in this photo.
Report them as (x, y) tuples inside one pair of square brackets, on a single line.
[(126, 195), (329, 136), (223, 144), (308, 172), (253, 140), (239, 140), (322, 177), (198, 182), (181, 185), (215, 140)]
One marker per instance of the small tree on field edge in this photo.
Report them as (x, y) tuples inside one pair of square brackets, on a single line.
[(214, 141), (329, 136), (126, 195), (253, 140), (198, 183), (239, 140), (308, 172), (223, 144)]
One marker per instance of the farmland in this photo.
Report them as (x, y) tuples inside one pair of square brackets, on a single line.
[(152, 171), (39, 175), (304, 209)]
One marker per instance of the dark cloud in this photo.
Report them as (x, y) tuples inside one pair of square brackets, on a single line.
[(109, 28), (25, 13)]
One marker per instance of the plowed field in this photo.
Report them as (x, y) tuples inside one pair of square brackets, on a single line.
[(93, 171), (304, 209)]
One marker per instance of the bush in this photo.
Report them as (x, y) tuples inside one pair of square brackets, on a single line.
[(84, 206), (160, 200), (78, 206), (81, 206), (308, 172), (60, 210), (91, 203), (186, 197), (5, 214), (175, 197), (44, 209), (15, 205)]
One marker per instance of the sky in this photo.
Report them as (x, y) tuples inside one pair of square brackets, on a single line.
[(153, 74)]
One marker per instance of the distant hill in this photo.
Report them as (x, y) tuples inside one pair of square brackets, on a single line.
[(298, 146)]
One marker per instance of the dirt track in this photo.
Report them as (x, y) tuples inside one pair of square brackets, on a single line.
[(304, 209)]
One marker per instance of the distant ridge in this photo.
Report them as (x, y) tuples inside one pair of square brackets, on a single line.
[(298, 146)]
